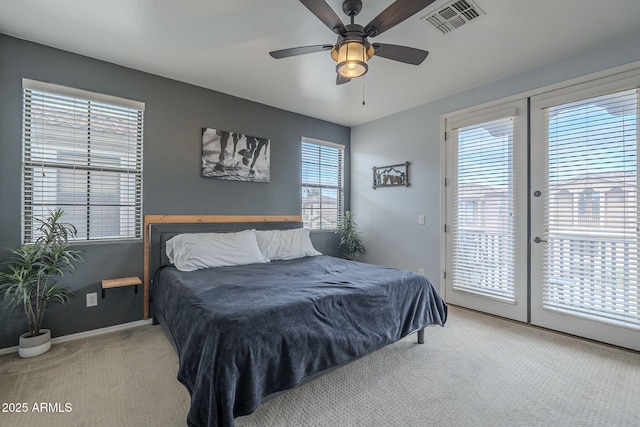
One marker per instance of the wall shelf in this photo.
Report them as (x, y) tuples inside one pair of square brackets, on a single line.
[(118, 283)]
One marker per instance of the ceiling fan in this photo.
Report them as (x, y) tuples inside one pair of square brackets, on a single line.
[(353, 50)]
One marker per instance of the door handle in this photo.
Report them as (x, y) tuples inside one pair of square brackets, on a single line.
[(538, 240)]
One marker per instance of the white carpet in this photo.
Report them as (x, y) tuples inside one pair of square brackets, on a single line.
[(476, 371)]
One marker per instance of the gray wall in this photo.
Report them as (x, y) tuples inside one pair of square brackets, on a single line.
[(175, 113), (388, 217)]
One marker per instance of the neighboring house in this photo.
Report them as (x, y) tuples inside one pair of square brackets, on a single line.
[(593, 203), (319, 210)]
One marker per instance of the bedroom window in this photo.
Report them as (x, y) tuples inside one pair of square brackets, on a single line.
[(82, 154), (322, 184)]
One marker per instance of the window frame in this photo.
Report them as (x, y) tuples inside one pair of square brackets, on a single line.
[(339, 188), (114, 154)]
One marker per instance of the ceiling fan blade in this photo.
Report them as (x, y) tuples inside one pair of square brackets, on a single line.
[(408, 55), (395, 14), (340, 79), (323, 12), (294, 51)]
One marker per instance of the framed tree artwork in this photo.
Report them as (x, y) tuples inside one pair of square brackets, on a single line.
[(391, 175)]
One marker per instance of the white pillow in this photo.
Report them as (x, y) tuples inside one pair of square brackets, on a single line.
[(189, 251), (285, 244)]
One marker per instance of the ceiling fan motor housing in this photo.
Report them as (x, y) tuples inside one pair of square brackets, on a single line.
[(351, 7), (353, 33)]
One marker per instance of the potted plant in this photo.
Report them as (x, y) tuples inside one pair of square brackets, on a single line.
[(350, 238), (29, 278)]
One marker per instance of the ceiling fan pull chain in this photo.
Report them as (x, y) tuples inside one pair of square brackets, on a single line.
[(363, 90)]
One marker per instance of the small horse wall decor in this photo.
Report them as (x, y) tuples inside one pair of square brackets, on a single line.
[(391, 176), (247, 160)]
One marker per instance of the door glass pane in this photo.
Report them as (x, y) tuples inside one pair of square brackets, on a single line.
[(484, 222), (591, 254)]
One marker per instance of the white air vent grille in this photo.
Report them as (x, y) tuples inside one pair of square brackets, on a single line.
[(453, 15)]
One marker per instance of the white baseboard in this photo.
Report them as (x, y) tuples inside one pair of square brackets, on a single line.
[(85, 334)]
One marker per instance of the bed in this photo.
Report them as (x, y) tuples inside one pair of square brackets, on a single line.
[(245, 333)]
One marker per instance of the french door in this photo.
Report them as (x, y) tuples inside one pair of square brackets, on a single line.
[(541, 210), (584, 211)]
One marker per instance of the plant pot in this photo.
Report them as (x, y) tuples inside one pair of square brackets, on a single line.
[(34, 346)]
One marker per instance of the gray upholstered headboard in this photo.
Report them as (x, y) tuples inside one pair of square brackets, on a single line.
[(160, 228), (160, 233)]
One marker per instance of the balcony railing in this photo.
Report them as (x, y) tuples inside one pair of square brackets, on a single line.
[(594, 275)]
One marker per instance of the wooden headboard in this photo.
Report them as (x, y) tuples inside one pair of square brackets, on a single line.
[(208, 223)]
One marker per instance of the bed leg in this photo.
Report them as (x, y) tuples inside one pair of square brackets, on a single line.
[(155, 321), (421, 335)]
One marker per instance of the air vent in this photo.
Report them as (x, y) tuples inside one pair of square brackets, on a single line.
[(453, 15)]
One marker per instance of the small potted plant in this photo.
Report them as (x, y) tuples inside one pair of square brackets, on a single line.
[(350, 238), (29, 278)]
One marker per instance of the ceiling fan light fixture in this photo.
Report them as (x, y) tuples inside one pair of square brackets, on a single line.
[(352, 57)]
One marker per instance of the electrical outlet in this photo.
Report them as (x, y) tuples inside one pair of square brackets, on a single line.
[(421, 271), (421, 219), (92, 299)]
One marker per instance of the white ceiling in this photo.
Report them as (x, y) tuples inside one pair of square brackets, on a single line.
[(223, 45)]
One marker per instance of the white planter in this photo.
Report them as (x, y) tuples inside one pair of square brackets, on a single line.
[(34, 346)]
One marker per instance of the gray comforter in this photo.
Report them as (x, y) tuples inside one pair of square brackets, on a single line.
[(245, 332)]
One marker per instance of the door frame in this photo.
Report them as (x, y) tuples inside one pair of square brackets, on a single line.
[(552, 319), (518, 107)]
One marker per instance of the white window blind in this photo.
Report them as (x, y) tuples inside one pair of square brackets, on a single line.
[(82, 154), (322, 184), (484, 214), (591, 254)]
